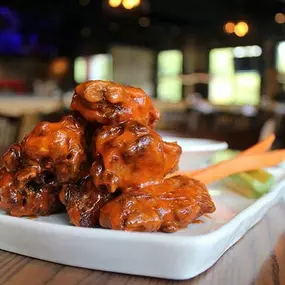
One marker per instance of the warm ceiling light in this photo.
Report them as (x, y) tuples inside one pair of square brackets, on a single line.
[(280, 18), (229, 28), (130, 4), (241, 29), (59, 66), (115, 3)]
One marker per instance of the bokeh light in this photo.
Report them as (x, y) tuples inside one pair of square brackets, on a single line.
[(241, 29), (144, 22), (115, 3), (130, 4), (239, 52), (280, 18), (229, 28), (59, 66), (247, 51)]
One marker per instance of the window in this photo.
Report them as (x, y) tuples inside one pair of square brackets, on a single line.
[(280, 61), (100, 67), (247, 88), (234, 76), (80, 69), (134, 66), (170, 67), (280, 66), (221, 87), (96, 67)]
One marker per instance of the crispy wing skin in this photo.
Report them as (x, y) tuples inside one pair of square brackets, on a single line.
[(130, 155), (109, 103), (83, 202), (34, 169), (165, 207), (55, 147), (35, 197)]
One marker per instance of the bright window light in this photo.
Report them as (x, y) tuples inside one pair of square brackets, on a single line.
[(170, 62), (221, 90), (254, 51), (170, 67), (169, 89), (229, 87), (240, 52), (80, 69), (280, 60), (247, 88), (100, 67), (221, 61), (247, 51)]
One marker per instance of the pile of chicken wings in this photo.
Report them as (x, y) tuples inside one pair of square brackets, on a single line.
[(104, 164)]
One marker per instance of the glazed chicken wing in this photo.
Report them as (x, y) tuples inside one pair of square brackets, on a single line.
[(104, 164), (165, 207), (83, 202), (130, 155), (34, 169), (111, 103), (55, 147), (37, 196)]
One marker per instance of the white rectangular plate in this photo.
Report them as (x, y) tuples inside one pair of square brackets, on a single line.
[(181, 255)]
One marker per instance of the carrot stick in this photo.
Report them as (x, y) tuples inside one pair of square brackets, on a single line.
[(237, 164), (260, 147)]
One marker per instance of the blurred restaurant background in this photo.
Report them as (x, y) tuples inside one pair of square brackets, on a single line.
[(215, 69)]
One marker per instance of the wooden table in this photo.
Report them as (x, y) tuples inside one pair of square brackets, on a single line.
[(258, 258)]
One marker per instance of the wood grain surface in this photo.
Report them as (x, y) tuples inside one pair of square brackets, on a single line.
[(257, 259)]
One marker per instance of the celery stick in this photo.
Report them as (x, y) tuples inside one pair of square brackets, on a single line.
[(251, 184)]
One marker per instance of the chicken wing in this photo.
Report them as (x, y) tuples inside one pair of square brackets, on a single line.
[(83, 202), (110, 128), (130, 155), (34, 169), (55, 147), (37, 196), (165, 207), (111, 103)]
